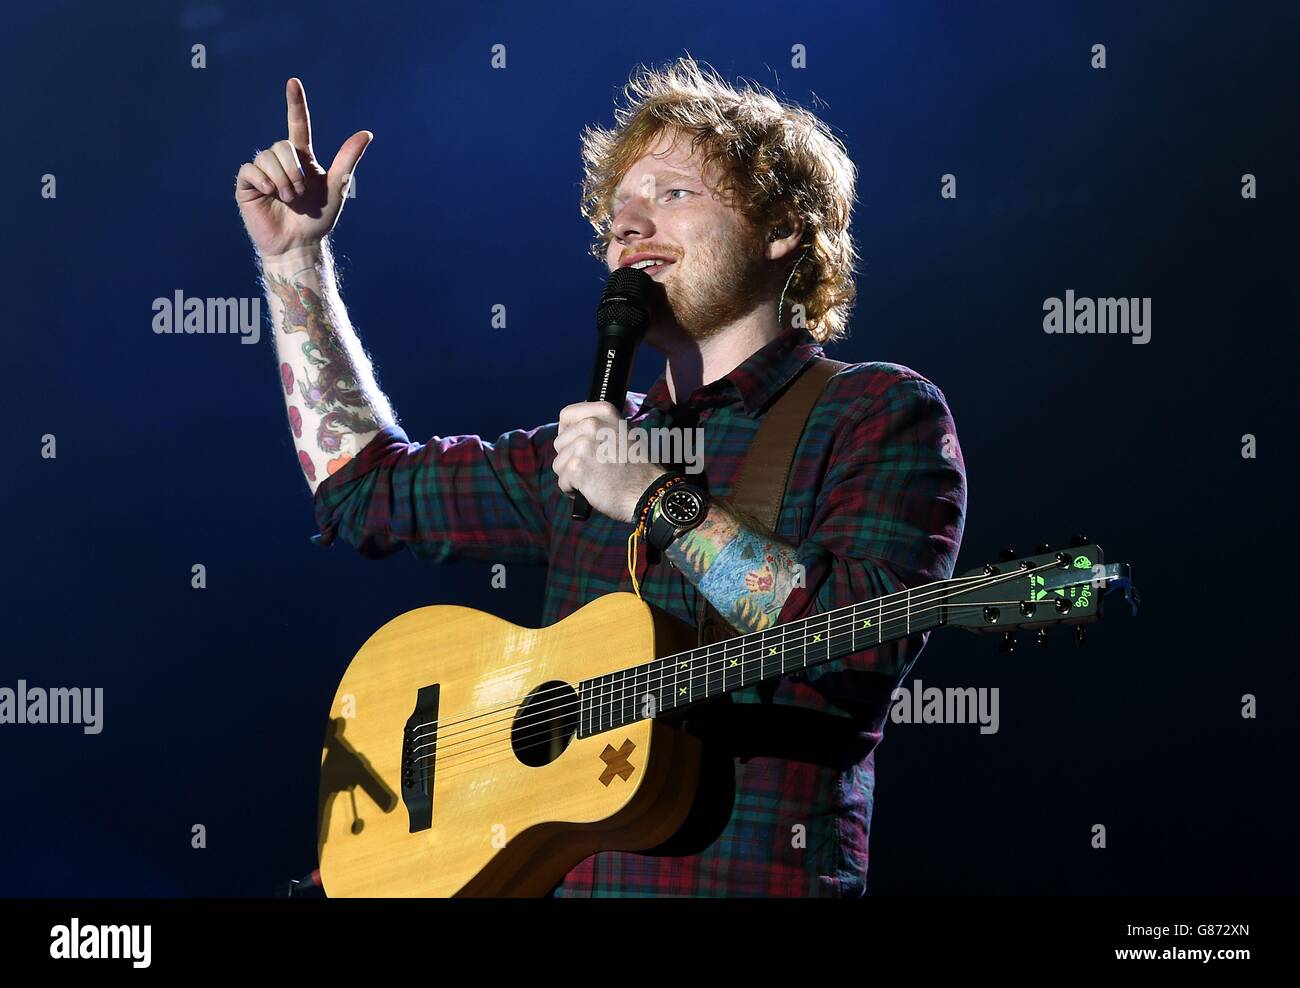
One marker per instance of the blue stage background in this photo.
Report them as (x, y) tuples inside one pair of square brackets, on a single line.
[(174, 450)]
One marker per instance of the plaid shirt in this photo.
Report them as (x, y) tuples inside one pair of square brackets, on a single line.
[(875, 504)]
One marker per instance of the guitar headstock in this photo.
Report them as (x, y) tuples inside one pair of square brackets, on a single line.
[(1034, 592)]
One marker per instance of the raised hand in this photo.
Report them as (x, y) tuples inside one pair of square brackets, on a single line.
[(286, 198)]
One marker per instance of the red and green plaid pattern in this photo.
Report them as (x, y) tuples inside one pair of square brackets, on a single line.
[(876, 503)]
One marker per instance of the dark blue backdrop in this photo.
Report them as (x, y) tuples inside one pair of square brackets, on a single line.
[(174, 450)]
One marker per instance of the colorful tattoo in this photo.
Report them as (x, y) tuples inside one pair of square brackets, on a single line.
[(700, 546), (329, 385), (308, 467), (744, 574)]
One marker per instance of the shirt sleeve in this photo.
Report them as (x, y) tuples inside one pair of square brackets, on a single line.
[(448, 499), (889, 516)]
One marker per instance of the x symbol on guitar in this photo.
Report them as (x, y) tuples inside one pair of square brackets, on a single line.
[(616, 762)]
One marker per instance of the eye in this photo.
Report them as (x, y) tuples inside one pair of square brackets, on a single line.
[(674, 191)]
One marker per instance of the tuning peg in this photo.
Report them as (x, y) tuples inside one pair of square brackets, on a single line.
[(1006, 555), (1080, 634), (1042, 638), (1041, 548), (1078, 540), (1007, 644)]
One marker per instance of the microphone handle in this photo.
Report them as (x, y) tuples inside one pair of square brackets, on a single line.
[(608, 383), (581, 509)]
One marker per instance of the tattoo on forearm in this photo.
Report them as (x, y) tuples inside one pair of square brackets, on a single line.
[(327, 381), (746, 575)]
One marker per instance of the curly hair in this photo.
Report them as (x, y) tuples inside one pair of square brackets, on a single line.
[(774, 159)]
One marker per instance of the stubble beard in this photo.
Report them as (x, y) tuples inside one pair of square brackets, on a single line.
[(725, 283)]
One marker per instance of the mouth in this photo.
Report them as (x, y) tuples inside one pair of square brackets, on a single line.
[(653, 264)]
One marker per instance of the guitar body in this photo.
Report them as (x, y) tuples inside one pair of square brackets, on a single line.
[(459, 760), (507, 812)]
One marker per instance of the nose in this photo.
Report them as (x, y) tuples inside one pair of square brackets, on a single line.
[(633, 220)]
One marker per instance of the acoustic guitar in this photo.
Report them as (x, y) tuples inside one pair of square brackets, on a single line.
[(467, 756)]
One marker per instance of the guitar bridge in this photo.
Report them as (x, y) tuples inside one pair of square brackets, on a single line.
[(419, 748)]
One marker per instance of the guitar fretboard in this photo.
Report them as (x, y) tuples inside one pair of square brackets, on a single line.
[(676, 681)]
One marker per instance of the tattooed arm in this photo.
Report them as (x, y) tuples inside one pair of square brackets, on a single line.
[(289, 203), (745, 573), (888, 513), (334, 405)]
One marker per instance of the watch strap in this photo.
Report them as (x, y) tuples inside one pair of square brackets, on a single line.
[(660, 532), (655, 490)]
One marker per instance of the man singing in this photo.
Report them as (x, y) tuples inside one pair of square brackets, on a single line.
[(740, 205)]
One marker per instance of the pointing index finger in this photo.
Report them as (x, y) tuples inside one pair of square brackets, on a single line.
[(299, 119)]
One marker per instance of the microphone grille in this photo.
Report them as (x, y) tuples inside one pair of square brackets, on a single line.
[(626, 299)]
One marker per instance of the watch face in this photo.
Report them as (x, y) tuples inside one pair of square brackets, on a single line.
[(683, 506)]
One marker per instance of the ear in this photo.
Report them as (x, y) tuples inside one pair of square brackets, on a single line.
[(782, 235)]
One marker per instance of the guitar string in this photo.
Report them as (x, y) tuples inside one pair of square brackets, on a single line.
[(830, 615), (618, 700), (708, 659), (746, 654), (505, 751), (625, 696), (909, 601), (631, 695), (511, 705), (835, 629)]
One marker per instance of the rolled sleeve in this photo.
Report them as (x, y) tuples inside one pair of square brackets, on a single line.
[(889, 517), (448, 499)]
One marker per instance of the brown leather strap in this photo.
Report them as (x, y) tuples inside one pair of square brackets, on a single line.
[(760, 486)]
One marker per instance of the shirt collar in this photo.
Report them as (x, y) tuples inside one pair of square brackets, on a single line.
[(757, 380)]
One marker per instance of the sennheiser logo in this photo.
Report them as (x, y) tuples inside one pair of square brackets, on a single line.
[(609, 369), (77, 942)]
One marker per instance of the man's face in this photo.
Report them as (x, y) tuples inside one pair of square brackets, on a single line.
[(714, 259)]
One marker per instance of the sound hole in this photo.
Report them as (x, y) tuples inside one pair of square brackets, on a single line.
[(546, 723)]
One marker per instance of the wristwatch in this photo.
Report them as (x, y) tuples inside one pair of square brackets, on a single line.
[(676, 512)]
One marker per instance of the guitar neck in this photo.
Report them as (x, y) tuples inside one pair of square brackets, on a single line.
[(677, 681)]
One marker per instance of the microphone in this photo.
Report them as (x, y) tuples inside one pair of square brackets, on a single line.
[(621, 321)]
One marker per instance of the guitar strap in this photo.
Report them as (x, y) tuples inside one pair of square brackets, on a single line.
[(760, 486)]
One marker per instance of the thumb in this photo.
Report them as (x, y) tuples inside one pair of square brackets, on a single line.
[(345, 162)]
